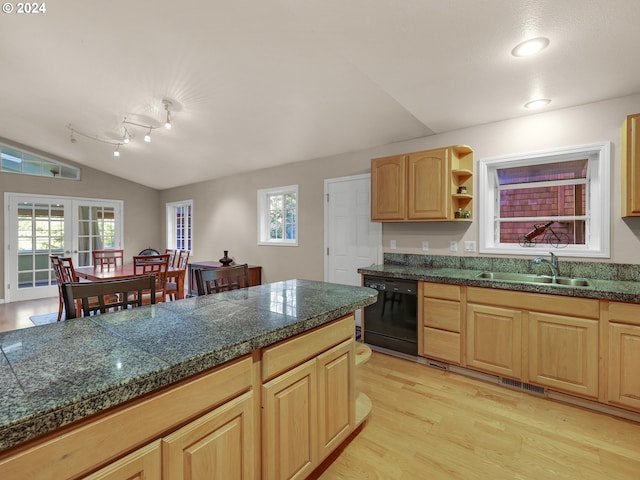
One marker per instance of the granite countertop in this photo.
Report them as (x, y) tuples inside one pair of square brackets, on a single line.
[(52, 375), (618, 290)]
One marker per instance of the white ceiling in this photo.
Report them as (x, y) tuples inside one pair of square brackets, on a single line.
[(257, 83)]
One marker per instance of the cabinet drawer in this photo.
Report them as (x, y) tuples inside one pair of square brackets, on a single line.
[(289, 353), (441, 290), (441, 345), (624, 313), (442, 314), (558, 304)]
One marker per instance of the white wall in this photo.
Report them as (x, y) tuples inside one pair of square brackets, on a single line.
[(225, 209)]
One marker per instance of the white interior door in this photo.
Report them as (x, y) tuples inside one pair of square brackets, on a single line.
[(39, 226), (351, 239)]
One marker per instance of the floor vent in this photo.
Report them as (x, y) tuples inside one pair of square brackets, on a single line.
[(527, 387)]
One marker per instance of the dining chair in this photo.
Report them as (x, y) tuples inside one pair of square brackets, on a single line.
[(64, 271), (173, 255), (107, 258), (93, 298), (181, 263), (157, 265), (215, 280)]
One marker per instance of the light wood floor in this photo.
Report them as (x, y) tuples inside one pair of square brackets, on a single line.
[(16, 315), (430, 424)]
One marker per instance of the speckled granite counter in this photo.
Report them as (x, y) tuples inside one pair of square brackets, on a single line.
[(619, 290), (55, 374)]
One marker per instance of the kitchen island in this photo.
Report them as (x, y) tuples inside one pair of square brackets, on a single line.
[(82, 395)]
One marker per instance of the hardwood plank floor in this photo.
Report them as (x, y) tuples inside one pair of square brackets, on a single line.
[(16, 315), (431, 424)]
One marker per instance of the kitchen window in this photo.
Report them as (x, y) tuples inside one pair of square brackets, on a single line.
[(180, 225), (555, 201), (278, 216)]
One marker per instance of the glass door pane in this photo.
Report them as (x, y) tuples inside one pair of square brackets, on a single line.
[(97, 230)]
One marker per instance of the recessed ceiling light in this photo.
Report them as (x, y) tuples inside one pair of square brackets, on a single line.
[(538, 103), (530, 47)]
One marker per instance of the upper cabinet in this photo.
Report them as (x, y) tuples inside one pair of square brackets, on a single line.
[(631, 166), (432, 185)]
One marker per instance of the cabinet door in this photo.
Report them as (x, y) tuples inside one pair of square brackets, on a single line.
[(631, 166), (143, 464), (563, 353), (428, 185), (289, 424), (218, 445), (624, 365), (336, 396), (494, 340), (388, 188)]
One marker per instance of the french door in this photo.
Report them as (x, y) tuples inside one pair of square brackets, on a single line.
[(38, 226)]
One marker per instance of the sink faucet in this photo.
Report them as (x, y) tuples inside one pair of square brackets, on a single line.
[(553, 264)]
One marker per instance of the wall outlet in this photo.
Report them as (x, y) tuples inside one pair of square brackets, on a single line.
[(425, 246), (469, 246), (453, 246), (392, 244)]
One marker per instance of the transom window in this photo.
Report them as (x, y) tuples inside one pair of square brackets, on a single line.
[(19, 161), (556, 200), (278, 216)]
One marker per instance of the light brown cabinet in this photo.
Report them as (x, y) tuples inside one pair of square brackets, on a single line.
[(624, 355), (563, 353), (218, 445), (440, 317), (431, 185), (630, 171), (143, 464), (308, 399), (494, 340), (548, 340)]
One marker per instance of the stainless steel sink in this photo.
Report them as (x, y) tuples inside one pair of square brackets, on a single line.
[(532, 278)]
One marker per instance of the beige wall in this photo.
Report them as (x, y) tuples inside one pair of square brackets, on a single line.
[(225, 209), (142, 219)]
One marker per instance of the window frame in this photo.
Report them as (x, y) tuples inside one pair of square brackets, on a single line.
[(26, 157), (172, 234), (264, 217), (597, 241)]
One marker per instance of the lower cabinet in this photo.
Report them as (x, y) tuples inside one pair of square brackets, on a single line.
[(623, 367), (143, 464), (563, 353), (440, 319), (218, 445), (494, 340), (308, 409)]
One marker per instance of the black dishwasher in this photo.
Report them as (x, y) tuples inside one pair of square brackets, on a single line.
[(392, 322)]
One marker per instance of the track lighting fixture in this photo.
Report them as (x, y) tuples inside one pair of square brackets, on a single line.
[(126, 134)]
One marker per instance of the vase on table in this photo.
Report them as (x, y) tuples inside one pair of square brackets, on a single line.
[(226, 260)]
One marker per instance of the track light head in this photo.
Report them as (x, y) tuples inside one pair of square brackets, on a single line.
[(147, 137), (167, 123)]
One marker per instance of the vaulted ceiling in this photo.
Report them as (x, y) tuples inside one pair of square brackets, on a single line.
[(257, 83)]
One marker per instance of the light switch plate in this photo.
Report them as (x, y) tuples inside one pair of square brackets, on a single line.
[(392, 244), (469, 246)]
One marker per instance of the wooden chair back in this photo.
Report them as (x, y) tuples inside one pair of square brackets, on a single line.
[(107, 258), (64, 271), (106, 296), (173, 256), (181, 263), (157, 265), (215, 280)]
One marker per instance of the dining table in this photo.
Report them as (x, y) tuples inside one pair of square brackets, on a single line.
[(116, 272)]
